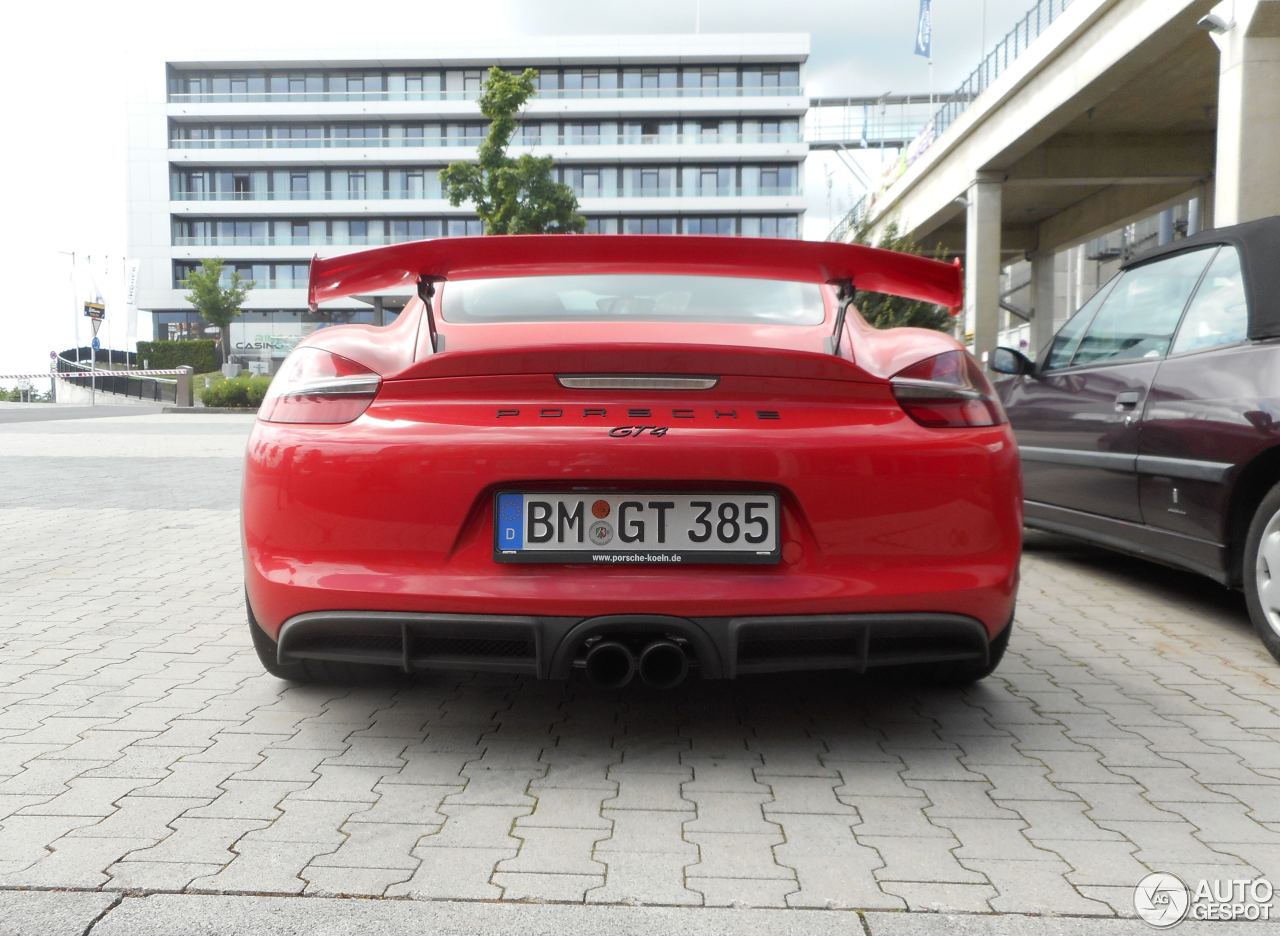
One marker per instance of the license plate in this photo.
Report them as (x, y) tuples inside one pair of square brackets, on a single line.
[(635, 529)]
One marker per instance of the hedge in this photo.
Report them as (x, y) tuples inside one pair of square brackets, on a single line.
[(200, 353), (239, 391)]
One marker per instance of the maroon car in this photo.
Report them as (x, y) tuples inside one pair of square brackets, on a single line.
[(1150, 422)]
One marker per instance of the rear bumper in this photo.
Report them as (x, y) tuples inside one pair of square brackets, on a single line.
[(551, 647)]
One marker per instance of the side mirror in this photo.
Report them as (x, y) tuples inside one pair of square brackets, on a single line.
[(1010, 361)]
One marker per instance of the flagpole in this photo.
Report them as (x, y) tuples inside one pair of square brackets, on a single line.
[(924, 42)]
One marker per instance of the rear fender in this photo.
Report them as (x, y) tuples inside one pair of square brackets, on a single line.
[(883, 352), (387, 350)]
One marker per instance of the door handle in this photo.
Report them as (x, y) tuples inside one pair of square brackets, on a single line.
[(1127, 400)]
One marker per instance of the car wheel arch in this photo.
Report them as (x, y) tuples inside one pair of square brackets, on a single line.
[(1253, 480)]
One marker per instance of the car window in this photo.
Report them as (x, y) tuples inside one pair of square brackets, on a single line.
[(1068, 337), (637, 297), (1138, 318), (1219, 312)]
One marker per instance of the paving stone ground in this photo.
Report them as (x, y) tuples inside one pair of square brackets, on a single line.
[(1134, 726)]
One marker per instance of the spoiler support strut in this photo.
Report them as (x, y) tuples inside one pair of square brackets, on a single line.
[(426, 290), (844, 293)]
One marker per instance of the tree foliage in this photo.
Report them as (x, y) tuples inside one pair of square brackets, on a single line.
[(511, 195), (884, 311), (217, 304)]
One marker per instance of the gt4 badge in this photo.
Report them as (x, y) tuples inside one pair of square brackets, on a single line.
[(630, 432)]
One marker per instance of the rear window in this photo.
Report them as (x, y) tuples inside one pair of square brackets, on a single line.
[(629, 297)]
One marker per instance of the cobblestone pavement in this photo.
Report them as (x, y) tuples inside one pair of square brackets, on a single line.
[(1134, 726)]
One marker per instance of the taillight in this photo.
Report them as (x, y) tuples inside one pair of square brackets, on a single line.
[(948, 391), (318, 386)]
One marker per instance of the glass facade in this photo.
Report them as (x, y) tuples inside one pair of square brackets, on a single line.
[(372, 232), (270, 333), (303, 183), (428, 133), (443, 84), (734, 225)]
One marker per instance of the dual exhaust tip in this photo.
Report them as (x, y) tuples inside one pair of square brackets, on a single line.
[(660, 665)]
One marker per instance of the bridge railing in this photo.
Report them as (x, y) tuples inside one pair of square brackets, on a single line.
[(998, 60), (994, 64)]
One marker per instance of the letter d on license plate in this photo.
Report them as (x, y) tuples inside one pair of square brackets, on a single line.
[(635, 529)]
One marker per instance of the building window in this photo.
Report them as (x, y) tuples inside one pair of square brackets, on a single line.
[(720, 226)]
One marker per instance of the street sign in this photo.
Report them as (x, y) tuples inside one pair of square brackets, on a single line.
[(53, 355), (96, 323), (96, 343), (95, 310)]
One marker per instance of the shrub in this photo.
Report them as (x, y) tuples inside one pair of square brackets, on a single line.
[(239, 391), (200, 353)]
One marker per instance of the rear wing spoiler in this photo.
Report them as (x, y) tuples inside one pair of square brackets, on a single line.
[(409, 266)]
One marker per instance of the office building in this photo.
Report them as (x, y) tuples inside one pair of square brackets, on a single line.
[(265, 162)]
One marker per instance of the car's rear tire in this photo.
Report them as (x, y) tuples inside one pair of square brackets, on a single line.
[(311, 671), (1260, 571)]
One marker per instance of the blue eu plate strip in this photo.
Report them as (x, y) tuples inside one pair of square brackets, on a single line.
[(510, 521)]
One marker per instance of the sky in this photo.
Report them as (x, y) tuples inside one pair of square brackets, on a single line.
[(66, 69)]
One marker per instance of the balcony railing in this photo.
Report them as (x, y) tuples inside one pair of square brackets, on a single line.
[(563, 139), (472, 94), (273, 282), (741, 191), (309, 195)]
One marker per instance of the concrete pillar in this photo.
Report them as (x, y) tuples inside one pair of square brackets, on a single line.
[(982, 262), (379, 316), (185, 395), (1043, 281), (1247, 177), (1193, 217), (1165, 233)]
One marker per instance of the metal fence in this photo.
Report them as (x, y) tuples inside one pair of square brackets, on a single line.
[(157, 389)]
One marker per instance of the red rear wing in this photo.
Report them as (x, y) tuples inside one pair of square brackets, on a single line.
[(403, 265)]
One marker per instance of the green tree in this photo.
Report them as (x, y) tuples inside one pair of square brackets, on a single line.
[(511, 196), (884, 311), (217, 304)]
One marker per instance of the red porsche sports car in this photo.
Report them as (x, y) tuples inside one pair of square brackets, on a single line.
[(637, 457)]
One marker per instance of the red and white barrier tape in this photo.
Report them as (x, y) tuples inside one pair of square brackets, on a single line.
[(89, 373)]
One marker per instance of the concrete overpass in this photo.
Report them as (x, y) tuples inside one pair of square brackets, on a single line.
[(1117, 110)]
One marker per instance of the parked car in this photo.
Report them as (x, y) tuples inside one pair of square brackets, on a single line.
[(630, 456), (1150, 422)]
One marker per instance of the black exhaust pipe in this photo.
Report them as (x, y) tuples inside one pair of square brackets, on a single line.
[(610, 665), (663, 665)]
